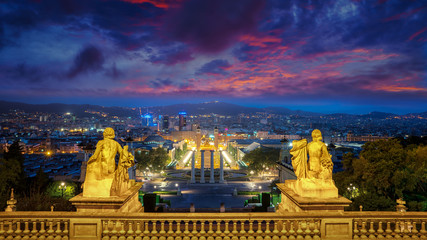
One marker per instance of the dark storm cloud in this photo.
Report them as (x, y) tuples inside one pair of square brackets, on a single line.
[(88, 60), (216, 66), (22, 18), (118, 19), (213, 25)]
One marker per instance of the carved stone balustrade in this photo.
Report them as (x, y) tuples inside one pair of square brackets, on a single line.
[(212, 226)]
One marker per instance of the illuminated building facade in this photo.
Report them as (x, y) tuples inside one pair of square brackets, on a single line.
[(147, 120)]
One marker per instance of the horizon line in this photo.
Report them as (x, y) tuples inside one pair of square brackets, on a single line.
[(263, 106)]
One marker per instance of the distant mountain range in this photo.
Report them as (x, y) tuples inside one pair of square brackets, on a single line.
[(220, 108), (226, 109), (59, 108)]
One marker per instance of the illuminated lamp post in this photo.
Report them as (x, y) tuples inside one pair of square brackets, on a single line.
[(62, 187)]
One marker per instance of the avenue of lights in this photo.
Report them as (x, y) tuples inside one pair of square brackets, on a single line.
[(187, 157)]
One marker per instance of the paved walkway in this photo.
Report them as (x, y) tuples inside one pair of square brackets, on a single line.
[(206, 195)]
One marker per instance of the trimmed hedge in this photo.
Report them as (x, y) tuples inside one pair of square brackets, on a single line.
[(247, 193)]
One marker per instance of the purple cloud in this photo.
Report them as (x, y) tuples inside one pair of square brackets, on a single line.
[(88, 60), (213, 25)]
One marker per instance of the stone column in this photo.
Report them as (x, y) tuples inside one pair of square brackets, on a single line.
[(193, 170), (202, 167), (212, 179), (221, 168)]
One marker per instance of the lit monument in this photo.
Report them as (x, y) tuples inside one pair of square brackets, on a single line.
[(314, 188), (107, 187), (314, 178), (198, 138), (202, 145)]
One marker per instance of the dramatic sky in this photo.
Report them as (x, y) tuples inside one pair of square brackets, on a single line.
[(324, 56)]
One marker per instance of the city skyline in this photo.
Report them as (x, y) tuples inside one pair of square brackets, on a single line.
[(329, 56)]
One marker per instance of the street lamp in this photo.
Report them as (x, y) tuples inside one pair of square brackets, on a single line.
[(62, 187)]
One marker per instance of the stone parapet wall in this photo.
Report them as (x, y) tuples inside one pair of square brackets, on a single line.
[(212, 226)]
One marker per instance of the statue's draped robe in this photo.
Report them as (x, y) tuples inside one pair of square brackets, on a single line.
[(121, 177), (299, 158)]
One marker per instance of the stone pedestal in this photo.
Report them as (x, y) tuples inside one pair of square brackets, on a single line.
[(126, 203), (313, 188), (202, 167), (294, 202)]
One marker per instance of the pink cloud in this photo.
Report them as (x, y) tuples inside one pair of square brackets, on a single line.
[(416, 34), (259, 41), (403, 15)]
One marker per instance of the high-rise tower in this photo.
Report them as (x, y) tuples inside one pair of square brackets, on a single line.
[(165, 124), (182, 120)]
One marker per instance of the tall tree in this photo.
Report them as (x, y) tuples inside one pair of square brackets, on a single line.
[(384, 172), (260, 159), (12, 173), (155, 159)]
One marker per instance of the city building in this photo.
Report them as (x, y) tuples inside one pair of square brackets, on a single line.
[(147, 120), (165, 124)]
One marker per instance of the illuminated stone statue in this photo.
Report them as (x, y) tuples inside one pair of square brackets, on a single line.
[(102, 170), (314, 177)]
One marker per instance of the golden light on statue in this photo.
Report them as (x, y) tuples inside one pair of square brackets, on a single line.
[(312, 165), (106, 181)]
